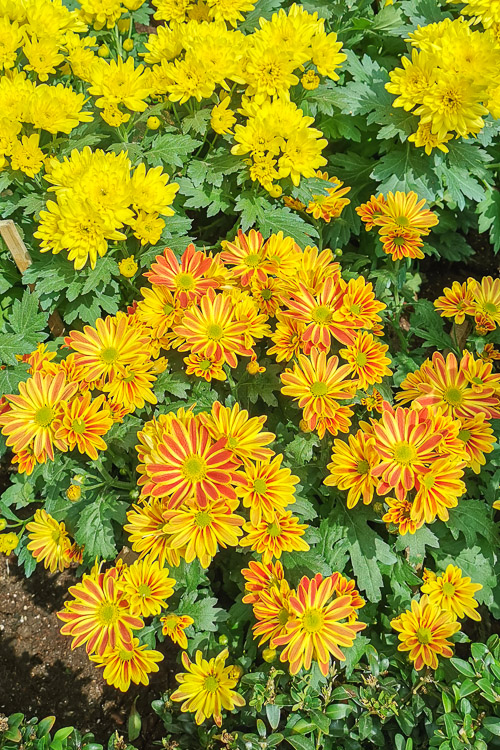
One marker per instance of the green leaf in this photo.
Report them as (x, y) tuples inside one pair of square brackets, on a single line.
[(32, 204), (171, 150), (463, 667), (204, 613), (301, 448), (473, 518), (24, 329), (334, 545), (197, 122), (175, 383), (11, 377), (354, 654), (25, 558), (406, 168), (50, 273), (492, 724), (95, 531), (301, 743), (416, 544), (489, 217), (105, 268)]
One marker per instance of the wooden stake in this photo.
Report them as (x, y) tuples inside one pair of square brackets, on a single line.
[(22, 259)]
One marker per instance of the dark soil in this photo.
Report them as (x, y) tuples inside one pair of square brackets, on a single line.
[(42, 676)]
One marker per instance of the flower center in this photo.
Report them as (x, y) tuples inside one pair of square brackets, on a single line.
[(453, 396), (363, 466), (428, 481), (211, 683), (273, 529), (424, 635), (252, 260), (167, 309), (283, 616), (170, 621), (194, 468), (313, 620), (399, 241), (109, 355), (404, 453), (205, 364), (232, 443), (107, 614), (260, 486), (203, 519), (319, 389), (266, 294), (490, 307), (185, 281), (361, 359), (143, 590), (125, 655), (355, 309), (448, 589), (464, 435), (322, 315), (215, 331), (78, 425), (44, 416), (56, 536), (402, 221)]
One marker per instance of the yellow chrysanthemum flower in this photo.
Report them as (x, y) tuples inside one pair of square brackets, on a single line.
[(453, 592)]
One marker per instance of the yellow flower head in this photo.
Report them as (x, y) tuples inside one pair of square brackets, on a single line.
[(49, 541), (128, 267), (453, 592)]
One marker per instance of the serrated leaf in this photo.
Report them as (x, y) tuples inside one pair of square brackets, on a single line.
[(10, 377), (197, 122), (473, 518), (171, 150), (416, 544), (24, 329), (105, 268), (405, 168), (95, 531), (32, 204), (300, 450), (175, 383), (489, 217), (203, 611), (25, 559)]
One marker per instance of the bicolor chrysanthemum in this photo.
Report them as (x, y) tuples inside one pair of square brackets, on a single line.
[(270, 538), (49, 543), (423, 631), (147, 587), (174, 625), (267, 487), (351, 468), (187, 279), (83, 423), (245, 436), (453, 592), (125, 665)]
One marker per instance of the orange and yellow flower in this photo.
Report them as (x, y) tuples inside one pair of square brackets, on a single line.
[(272, 613), (247, 256), (359, 306), (174, 626), (400, 243), (456, 302), (371, 211), (147, 535), (270, 538), (367, 359), (406, 211), (49, 541), (478, 438), (439, 488), (487, 298), (330, 205), (208, 368), (147, 587), (423, 631), (132, 384), (244, 434), (351, 468), (125, 665), (453, 592), (188, 280), (267, 488), (319, 313), (82, 424), (260, 577), (399, 514), (287, 338), (315, 630), (206, 687)]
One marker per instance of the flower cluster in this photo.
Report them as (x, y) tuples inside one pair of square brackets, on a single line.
[(478, 299), (420, 453), (402, 221), (97, 195), (195, 471), (424, 629), (451, 82), (311, 622), (57, 408)]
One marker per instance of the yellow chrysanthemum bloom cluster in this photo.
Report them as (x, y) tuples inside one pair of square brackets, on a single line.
[(451, 82), (97, 195), (480, 300), (424, 629)]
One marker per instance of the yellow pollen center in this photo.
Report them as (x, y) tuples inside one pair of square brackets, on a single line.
[(205, 364), (322, 315), (355, 309), (125, 655), (363, 467), (215, 331), (56, 536), (313, 620), (78, 425), (399, 241), (464, 435), (170, 622), (232, 443), (283, 617), (194, 468), (107, 614), (404, 453), (203, 519), (477, 381), (259, 486), (453, 396), (44, 416), (361, 359), (185, 282), (319, 389), (448, 589), (143, 590), (402, 221), (211, 684), (424, 636), (266, 294), (428, 482), (252, 260), (273, 529), (109, 355), (490, 307)]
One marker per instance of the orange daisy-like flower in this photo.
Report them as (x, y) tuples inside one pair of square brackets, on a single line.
[(49, 541), (487, 297), (272, 613), (315, 630), (40, 360), (267, 488), (199, 530), (406, 211), (445, 385), (480, 374), (456, 302), (159, 310), (315, 267), (423, 631), (27, 460), (99, 616), (33, 417), (405, 442), (359, 306), (147, 535), (83, 423), (269, 294), (113, 343), (174, 626), (347, 587), (373, 401), (191, 464), (317, 383), (187, 279), (287, 337), (477, 437), (367, 359), (351, 468), (247, 256), (454, 593), (439, 488), (260, 577), (331, 205), (283, 256), (271, 538), (244, 435), (208, 368), (319, 313), (371, 211), (147, 586), (212, 329), (125, 665), (399, 514), (401, 243), (489, 353), (340, 422), (131, 386)]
